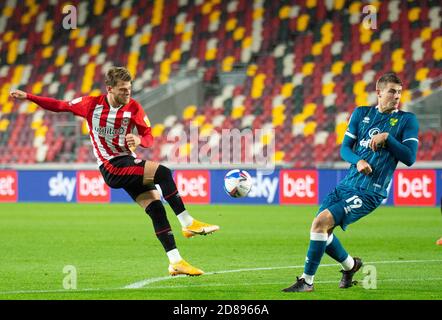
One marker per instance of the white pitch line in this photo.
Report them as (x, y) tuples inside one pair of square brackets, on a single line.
[(142, 284)]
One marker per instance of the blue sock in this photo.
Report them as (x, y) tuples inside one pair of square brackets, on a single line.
[(316, 249), (335, 249)]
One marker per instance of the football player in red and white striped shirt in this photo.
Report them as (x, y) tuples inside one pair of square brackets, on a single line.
[(117, 125)]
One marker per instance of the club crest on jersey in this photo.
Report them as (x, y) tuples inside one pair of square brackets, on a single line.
[(125, 121), (366, 142), (393, 121)]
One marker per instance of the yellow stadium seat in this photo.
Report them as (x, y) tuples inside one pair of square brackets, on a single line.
[(309, 109), (175, 56), (340, 132), (421, 74), (278, 119), (189, 112), (267, 138), (339, 4), (126, 12), (37, 87), (237, 112), (406, 96), (310, 128), (18, 72), (157, 13), (185, 150), (357, 67), (307, 68), (327, 88), (284, 12), (36, 124), (158, 130), (8, 36), (179, 28), (48, 32), (8, 11), (279, 156), (130, 30), (355, 8), (299, 118), (376, 46), (7, 107), (199, 120), (238, 34), (247, 42), (258, 13), (4, 123), (251, 70), (361, 99), (302, 22), (317, 49), (337, 67), (206, 130), (60, 60), (41, 131), (211, 54), (96, 93), (287, 90), (359, 87), (31, 108), (437, 47), (214, 16), (187, 36), (47, 52), (311, 4), (426, 33), (98, 7), (414, 13), (145, 38), (227, 64), (206, 8), (12, 52), (231, 24)]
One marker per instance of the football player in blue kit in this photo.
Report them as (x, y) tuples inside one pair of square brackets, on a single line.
[(377, 138)]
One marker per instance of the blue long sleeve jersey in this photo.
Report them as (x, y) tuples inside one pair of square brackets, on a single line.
[(401, 145)]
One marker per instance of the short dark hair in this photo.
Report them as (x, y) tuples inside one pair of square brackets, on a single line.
[(386, 78), (114, 74)]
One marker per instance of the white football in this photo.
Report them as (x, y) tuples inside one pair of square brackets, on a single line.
[(237, 183)]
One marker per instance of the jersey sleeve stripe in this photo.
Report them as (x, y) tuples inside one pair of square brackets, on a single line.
[(414, 139), (350, 135)]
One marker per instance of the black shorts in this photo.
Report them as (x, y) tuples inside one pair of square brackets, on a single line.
[(126, 172)]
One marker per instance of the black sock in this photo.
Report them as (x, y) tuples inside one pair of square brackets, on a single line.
[(163, 177), (161, 225)]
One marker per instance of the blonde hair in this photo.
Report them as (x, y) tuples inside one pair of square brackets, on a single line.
[(114, 74)]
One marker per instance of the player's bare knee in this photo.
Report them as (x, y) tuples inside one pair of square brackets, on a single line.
[(150, 168), (323, 222)]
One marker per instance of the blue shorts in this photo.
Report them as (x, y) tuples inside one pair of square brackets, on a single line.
[(349, 205)]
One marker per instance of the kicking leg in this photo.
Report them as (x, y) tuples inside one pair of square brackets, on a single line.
[(161, 175), (150, 201), (349, 264)]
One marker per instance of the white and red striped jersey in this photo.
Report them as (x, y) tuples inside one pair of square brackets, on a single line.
[(108, 126)]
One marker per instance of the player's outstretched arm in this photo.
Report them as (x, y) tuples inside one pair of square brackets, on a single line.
[(44, 102)]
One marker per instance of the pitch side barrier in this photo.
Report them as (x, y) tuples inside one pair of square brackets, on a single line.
[(410, 187)]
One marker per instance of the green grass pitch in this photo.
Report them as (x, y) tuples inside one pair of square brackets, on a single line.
[(258, 251)]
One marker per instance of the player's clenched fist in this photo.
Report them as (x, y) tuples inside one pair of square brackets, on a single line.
[(364, 167), (132, 141), (18, 94)]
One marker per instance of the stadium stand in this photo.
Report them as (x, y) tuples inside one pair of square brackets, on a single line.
[(307, 65)]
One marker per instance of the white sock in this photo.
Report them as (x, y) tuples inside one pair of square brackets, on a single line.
[(174, 256), (348, 263), (185, 218), (308, 279)]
